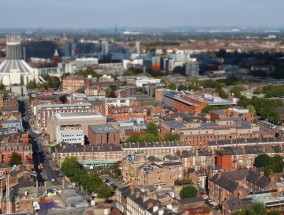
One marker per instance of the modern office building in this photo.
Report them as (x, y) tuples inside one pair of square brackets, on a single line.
[(84, 119), (105, 48), (72, 134), (192, 69), (156, 63), (42, 113)]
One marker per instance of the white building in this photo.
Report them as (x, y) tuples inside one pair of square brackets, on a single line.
[(15, 73), (85, 62), (145, 80), (72, 134)]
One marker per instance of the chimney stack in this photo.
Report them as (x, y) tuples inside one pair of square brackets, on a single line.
[(132, 189)]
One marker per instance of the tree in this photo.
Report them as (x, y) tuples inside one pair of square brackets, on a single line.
[(251, 109), (261, 160), (104, 191), (236, 90), (188, 192), (253, 210), (133, 138), (152, 128), (182, 87), (171, 86), (15, 159), (70, 166), (171, 137)]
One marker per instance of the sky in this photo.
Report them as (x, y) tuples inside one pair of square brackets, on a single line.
[(140, 13)]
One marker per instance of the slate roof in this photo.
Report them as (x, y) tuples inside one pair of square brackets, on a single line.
[(236, 175), (261, 181), (224, 182), (67, 148)]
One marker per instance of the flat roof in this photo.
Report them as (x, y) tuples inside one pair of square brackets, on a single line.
[(39, 107), (101, 129), (79, 115)]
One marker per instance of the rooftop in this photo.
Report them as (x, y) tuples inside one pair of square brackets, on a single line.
[(101, 129), (79, 115)]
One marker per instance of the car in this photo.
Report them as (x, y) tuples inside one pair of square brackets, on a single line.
[(52, 179)]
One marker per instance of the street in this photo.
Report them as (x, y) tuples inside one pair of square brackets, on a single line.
[(39, 157)]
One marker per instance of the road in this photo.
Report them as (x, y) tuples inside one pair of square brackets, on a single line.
[(38, 149), (114, 181)]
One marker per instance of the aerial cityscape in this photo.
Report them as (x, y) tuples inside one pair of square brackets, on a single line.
[(142, 107)]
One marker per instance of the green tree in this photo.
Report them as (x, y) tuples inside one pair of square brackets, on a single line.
[(256, 209), (261, 160), (51, 82), (133, 138), (31, 85), (15, 159), (236, 90), (188, 192), (152, 128), (70, 166), (251, 109), (222, 93), (182, 87), (268, 170), (171, 86), (104, 191), (171, 137)]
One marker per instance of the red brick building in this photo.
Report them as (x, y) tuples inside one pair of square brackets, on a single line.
[(236, 112), (23, 149), (71, 84), (224, 159), (185, 103), (103, 134)]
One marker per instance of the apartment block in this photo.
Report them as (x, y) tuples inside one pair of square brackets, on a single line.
[(42, 113), (199, 134), (138, 170), (156, 149), (89, 154), (71, 84)]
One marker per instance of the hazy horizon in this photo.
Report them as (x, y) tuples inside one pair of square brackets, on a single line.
[(90, 14)]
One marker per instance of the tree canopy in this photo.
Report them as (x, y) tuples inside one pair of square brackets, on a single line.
[(150, 135), (171, 137), (15, 159), (90, 182), (256, 209), (152, 128), (265, 108), (271, 165), (261, 160), (251, 109), (188, 192)]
